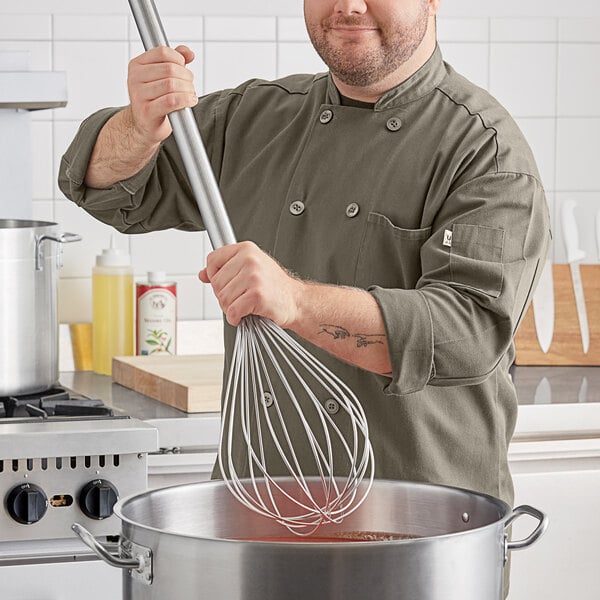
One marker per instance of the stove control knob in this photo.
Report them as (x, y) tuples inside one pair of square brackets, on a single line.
[(27, 503), (97, 499)]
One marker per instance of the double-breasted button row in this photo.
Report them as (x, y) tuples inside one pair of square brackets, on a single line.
[(332, 406), (298, 207), (392, 124)]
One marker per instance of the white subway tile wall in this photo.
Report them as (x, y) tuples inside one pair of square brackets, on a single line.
[(544, 70), (470, 59), (39, 50), (523, 77), (41, 144), (223, 67), (578, 87), (26, 27)]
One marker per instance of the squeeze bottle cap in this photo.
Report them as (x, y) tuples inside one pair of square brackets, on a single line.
[(113, 256)]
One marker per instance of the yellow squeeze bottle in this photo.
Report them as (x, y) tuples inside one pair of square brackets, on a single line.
[(112, 307)]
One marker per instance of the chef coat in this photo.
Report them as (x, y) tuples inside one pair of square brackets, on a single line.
[(431, 201)]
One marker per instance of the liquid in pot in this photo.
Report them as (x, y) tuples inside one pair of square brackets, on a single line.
[(339, 536)]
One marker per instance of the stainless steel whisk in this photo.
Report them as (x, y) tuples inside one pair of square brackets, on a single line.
[(278, 396)]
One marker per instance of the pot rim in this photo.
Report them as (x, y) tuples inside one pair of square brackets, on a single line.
[(503, 508), (10, 224)]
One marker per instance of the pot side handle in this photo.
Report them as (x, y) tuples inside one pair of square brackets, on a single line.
[(535, 534), (64, 238), (100, 551)]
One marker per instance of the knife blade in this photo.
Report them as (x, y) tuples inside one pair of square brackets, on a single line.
[(583, 390), (574, 256), (543, 307), (543, 392)]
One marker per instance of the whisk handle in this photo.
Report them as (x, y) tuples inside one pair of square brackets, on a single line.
[(187, 137)]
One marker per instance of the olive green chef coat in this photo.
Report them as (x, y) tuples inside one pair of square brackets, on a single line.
[(431, 201)]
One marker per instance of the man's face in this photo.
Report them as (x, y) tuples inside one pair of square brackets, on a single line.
[(363, 41)]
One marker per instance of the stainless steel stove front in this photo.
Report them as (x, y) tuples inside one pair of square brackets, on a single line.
[(56, 472)]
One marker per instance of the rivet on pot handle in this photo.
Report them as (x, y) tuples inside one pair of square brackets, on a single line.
[(533, 536), (140, 563), (64, 238)]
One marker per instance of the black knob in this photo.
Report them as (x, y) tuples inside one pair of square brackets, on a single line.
[(27, 503), (97, 499)]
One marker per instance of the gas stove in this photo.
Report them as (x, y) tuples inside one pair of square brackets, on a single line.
[(65, 458), (56, 401)]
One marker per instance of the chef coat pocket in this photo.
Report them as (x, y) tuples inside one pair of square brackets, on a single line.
[(389, 256), (476, 257)]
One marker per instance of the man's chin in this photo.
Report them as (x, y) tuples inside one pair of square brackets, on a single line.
[(354, 78)]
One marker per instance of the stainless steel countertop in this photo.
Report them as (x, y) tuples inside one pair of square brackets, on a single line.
[(567, 385), (569, 403), (176, 428)]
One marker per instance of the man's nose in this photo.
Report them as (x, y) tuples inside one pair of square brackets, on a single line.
[(350, 7)]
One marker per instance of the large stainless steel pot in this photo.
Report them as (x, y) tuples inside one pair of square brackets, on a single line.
[(177, 543), (30, 254)]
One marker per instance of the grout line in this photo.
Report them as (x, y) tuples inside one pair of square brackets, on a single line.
[(489, 45), (54, 166), (555, 183), (203, 91), (277, 42)]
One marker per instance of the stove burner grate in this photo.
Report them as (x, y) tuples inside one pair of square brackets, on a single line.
[(54, 402)]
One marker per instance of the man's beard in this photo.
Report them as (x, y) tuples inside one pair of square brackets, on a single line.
[(355, 66)]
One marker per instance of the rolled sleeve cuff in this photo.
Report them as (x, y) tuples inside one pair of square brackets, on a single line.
[(76, 159), (409, 330)]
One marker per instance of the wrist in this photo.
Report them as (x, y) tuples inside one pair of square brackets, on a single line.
[(139, 140), (301, 293)]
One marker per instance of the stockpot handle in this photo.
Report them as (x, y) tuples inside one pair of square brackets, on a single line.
[(137, 563), (535, 534), (64, 238)]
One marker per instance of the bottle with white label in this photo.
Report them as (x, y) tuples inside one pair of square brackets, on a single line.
[(156, 322)]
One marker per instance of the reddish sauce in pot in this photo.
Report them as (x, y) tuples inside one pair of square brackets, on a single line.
[(342, 536)]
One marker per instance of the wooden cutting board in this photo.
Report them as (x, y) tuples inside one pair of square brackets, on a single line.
[(191, 383), (566, 348)]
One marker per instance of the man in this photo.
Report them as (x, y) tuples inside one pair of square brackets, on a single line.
[(396, 217)]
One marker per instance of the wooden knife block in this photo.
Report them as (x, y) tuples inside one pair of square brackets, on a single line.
[(566, 348)]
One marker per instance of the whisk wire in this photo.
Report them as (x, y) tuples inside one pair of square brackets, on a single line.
[(328, 507), (262, 347), (255, 357)]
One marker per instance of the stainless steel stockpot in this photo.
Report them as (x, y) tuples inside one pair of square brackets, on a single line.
[(180, 543), (30, 253)]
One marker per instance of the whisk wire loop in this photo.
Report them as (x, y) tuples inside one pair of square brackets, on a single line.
[(264, 354)]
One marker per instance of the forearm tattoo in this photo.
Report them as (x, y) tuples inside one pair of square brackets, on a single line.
[(337, 332)]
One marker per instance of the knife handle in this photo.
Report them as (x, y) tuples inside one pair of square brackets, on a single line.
[(569, 225)]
